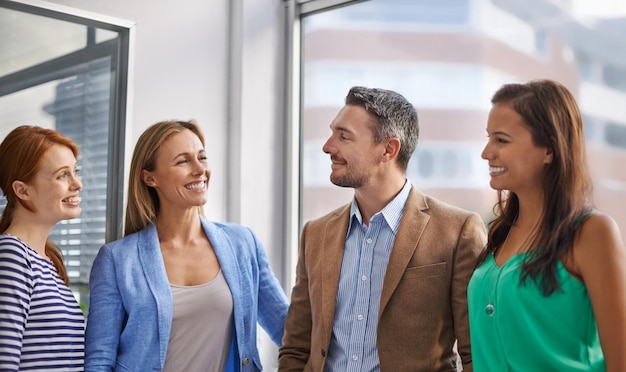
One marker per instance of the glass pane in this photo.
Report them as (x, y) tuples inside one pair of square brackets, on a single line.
[(104, 35), (448, 57), (79, 104), (28, 39), (24, 107), (81, 111)]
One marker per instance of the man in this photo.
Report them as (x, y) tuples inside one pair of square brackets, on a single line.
[(381, 283)]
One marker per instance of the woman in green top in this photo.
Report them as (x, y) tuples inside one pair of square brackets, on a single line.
[(549, 291)]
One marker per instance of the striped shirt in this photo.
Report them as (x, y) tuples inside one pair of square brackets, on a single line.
[(41, 324), (366, 254)]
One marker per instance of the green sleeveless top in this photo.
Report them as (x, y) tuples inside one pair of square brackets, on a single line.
[(513, 327)]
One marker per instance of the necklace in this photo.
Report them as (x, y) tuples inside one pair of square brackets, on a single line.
[(490, 309)]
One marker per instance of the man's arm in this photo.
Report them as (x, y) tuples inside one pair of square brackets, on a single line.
[(472, 241)]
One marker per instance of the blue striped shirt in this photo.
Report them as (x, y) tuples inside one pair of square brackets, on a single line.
[(41, 324), (365, 257)]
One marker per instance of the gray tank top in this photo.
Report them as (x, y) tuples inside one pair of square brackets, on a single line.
[(201, 327)]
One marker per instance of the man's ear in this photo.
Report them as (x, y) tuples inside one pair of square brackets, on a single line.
[(147, 178), (21, 190), (392, 148)]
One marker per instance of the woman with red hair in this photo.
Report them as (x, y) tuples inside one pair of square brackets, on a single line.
[(41, 324)]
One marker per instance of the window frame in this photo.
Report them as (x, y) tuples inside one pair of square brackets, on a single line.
[(66, 66), (295, 10)]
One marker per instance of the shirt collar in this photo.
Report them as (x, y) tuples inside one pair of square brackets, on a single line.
[(392, 212)]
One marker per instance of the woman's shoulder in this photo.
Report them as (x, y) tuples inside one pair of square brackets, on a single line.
[(598, 238), (240, 237), (13, 246), (123, 241), (17, 256), (229, 228), (597, 226), (131, 242), (10, 241)]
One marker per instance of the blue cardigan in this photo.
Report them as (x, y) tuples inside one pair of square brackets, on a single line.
[(130, 311)]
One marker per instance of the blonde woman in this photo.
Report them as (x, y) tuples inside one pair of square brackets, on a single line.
[(178, 292)]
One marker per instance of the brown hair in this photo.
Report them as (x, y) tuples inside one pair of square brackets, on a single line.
[(143, 201), (551, 114), (21, 153)]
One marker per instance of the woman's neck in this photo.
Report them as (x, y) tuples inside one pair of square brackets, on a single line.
[(181, 226)]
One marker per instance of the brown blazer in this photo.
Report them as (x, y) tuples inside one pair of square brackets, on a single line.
[(423, 306)]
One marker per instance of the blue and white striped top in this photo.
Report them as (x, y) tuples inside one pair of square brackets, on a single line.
[(41, 324)]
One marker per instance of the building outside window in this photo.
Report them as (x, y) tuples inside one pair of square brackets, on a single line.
[(448, 58)]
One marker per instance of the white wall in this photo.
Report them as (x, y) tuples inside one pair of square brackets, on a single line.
[(178, 71), (221, 63)]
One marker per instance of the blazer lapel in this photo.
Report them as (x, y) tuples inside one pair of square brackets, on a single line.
[(226, 256), (229, 264), (153, 267), (332, 251), (410, 230)]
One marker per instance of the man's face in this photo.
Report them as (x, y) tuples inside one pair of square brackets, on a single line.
[(354, 155)]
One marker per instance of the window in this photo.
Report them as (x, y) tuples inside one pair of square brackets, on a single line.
[(615, 135), (615, 76), (448, 58), (68, 72)]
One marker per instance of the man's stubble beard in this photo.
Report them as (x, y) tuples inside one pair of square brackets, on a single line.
[(348, 180)]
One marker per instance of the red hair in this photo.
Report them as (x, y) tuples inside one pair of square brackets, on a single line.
[(21, 154)]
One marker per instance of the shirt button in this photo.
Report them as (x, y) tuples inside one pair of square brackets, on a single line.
[(359, 317), (355, 357), (245, 361), (364, 278), (369, 241), (490, 309)]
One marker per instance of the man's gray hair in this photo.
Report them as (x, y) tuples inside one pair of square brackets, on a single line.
[(394, 116)]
